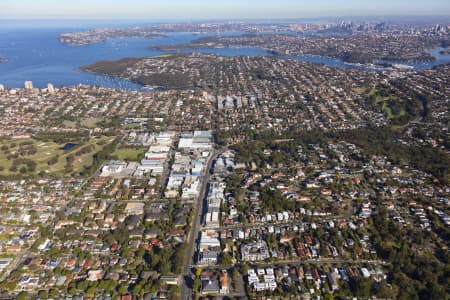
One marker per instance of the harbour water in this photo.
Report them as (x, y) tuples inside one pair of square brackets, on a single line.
[(35, 53)]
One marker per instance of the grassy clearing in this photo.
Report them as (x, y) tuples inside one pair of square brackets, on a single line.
[(130, 154), (372, 92), (163, 56), (90, 122), (386, 108), (131, 126), (387, 103), (47, 157), (359, 90), (85, 122), (70, 124)]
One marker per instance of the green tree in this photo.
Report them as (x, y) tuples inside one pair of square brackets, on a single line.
[(123, 289), (90, 291), (235, 276), (225, 259), (43, 294), (22, 296), (54, 293), (72, 291), (384, 291), (196, 285)]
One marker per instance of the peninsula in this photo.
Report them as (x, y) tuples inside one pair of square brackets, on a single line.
[(361, 48), (102, 34)]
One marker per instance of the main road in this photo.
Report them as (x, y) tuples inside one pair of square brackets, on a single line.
[(186, 292), (299, 262)]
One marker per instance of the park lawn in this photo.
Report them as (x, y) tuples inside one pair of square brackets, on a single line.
[(70, 124), (385, 107), (372, 91), (47, 150), (130, 154), (392, 244), (359, 90), (80, 162), (384, 103), (85, 122), (131, 126), (4, 237), (90, 122)]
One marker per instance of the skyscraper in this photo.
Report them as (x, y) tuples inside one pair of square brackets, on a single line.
[(28, 85), (50, 88)]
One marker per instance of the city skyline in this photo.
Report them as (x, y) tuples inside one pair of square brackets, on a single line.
[(201, 9)]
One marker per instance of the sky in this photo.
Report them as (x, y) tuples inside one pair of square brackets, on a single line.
[(217, 9)]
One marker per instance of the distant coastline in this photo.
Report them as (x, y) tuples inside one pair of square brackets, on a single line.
[(371, 48), (61, 63), (89, 37)]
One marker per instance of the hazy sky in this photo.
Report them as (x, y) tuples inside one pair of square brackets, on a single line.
[(196, 9)]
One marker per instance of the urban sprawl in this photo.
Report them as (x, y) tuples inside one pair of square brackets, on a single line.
[(244, 178)]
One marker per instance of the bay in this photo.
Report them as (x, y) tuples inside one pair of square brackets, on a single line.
[(35, 53)]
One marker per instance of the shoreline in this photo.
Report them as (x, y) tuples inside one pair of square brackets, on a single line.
[(191, 48), (71, 39)]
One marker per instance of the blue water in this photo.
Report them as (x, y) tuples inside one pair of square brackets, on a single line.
[(37, 55), (34, 53), (439, 60), (68, 147)]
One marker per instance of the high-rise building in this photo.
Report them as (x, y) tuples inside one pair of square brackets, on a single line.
[(50, 88), (2, 87), (28, 85)]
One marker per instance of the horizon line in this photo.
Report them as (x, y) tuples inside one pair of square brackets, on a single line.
[(219, 19)]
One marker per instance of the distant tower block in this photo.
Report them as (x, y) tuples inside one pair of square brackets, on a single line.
[(219, 103), (238, 102), (2, 87), (28, 85), (50, 88)]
